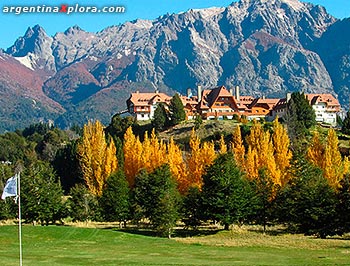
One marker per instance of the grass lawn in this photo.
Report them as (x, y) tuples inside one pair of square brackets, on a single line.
[(63, 245)]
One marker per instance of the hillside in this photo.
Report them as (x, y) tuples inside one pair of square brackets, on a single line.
[(266, 47)]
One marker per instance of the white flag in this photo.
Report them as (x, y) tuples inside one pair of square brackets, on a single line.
[(10, 188)]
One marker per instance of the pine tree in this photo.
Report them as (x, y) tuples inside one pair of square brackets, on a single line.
[(160, 118), (115, 198), (226, 194), (345, 129), (97, 159), (176, 109)]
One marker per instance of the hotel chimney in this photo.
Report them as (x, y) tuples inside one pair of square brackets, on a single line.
[(231, 91), (189, 93), (289, 96), (199, 93), (237, 94)]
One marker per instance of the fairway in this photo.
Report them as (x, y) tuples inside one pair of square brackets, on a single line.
[(63, 245)]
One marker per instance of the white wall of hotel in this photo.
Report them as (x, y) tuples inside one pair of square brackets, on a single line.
[(323, 115)]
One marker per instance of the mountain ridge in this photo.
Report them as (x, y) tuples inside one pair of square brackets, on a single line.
[(266, 47)]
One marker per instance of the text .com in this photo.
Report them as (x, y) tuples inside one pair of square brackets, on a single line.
[(64, 9)]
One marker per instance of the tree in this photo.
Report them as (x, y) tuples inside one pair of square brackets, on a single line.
[(332, 161), (176, 109), (345, 129), (261, 155), (160, 118), (114, 201), (199, 158), (97, 159), (315, 151), (83, 205), (238, 147), (192, 207), (177, 166), (343, 206), (66, 165), (226, 194), (119, 125), (300, 116), (282, 152), (223, 147), (308, 201), (132, 156), (41, 195), (156, 198)]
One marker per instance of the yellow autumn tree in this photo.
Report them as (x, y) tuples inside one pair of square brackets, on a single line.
[(132, 156), (157, 152), (261, 147), (315, 151), (282, 153), (97, 160), (198, 159), (177, 166), (332, 161), (223, 147), (238, 147)]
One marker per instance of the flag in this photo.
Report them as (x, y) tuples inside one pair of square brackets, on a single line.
[(10, 188)]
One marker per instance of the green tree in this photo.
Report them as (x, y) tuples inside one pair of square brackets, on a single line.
[(119, 125), (160, 118), (114, 201), (41, 195), (66, 165), (226, 193), (156, 197), (192, 207), (345, 129), (83, 205), (176, 109), (343, 206), (300, 116), (307, 201)]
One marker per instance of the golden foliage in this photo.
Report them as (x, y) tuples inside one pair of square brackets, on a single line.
[(315, 151), (223, 147), (97, 159), (238, 147), (133, 160), (198, 159), (282, 153)]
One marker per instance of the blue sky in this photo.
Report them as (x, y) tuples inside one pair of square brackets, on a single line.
[(13, 26)]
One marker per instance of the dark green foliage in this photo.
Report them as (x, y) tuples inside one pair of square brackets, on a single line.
[(66, 165), (300, 116), (343, 206), (345, 129), (119, 125), (156, 198), (226, 194), (262, 200), (160, 119), (192, 210), (39, 128), (15, 147), (114, 201), (41, 195), (177, 111), (83, 206), (308, 202), (198, 122)]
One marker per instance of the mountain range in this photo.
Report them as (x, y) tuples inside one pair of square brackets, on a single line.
[(267, 47)]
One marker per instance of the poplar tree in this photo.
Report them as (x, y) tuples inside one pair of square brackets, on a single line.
[(315, 150), (282, 153), (97, 159), (238, 147), (132, 156), (223, 147)]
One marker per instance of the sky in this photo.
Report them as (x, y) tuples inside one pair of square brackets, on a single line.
[(14, 26)]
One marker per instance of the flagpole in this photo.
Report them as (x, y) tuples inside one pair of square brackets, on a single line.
[(20, 219)]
